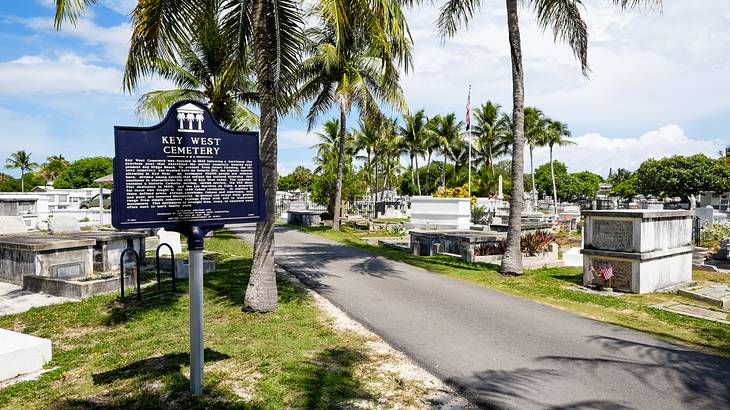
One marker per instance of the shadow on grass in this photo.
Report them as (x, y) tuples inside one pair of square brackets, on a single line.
[(328, 381), (123, 310), (231, 279), (155, 367)]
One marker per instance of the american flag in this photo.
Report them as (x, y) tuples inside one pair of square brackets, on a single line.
[(468, 109), (605, 271)]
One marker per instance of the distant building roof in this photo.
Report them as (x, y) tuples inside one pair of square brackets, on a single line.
[(109, 179)]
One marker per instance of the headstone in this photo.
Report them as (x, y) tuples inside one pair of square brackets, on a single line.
[(62, 224), (705, 214), (12, 225), (170, 238), (646, 250)]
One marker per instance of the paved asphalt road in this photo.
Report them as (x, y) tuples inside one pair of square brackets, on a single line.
[(500, 351)]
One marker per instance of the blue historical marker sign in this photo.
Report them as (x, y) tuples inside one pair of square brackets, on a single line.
[(186, 171)]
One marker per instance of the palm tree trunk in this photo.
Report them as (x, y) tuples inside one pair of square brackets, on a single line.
[(512, 258), (377, 183), (491, 161), (428, 168), (261, 294), (22, 181), (552, 175), (413, 174), (418, 177), (340, 166), (532, 173)]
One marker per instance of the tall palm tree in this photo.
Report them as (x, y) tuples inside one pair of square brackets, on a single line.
[(389, 150), (352, 63), (55, 164), (272, 29), (366, 137), (536, 130), (491, 133), (415, 135), (567, 24), (326, 148), (20, 160), (431, 144), (210, 69), (556, 134), (451, 141)]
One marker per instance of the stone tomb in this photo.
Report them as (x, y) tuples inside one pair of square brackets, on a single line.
[(304, 217), (426, 242), (44, 255), (109, 245), (648, 250)]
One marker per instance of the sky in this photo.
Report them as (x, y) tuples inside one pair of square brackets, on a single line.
[(659, 83)]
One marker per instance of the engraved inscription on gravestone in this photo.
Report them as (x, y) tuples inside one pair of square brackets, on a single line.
[(614, 235), (622, 275)]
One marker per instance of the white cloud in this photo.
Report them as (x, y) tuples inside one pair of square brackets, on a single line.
[(296, 139), (114, 40), (120, 6), (596, 153), (39, 74), (648, 68)]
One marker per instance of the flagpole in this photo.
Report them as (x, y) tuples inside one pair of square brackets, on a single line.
[(469, 129)]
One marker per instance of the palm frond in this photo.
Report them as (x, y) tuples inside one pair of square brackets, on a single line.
[(154, 104)]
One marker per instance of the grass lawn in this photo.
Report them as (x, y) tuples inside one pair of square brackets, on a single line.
[(113, 354), (551, 286)]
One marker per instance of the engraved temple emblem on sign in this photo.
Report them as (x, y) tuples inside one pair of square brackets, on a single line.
[(190, 118)]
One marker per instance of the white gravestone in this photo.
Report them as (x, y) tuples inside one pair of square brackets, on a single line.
[(62, 224), (170, 238)]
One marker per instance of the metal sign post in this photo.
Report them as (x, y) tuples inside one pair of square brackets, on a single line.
[(190, 175), (195, 289)]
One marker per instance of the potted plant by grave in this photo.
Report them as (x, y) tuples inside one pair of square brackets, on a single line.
[(603, 276)]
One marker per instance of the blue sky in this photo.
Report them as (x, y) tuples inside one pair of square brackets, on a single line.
[(660, 83)]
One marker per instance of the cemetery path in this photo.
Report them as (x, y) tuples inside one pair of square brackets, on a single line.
[(499, 350)]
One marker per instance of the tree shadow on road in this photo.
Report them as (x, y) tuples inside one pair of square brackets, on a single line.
[(702, 378)]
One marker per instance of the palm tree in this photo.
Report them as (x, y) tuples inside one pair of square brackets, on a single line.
[(326, 148), (415, 134), (54, 166), (20, 160), (555, 135), (492, 135), (210, 69), (431, 144), (567, 24), (352, 63), (451, 141), (536, 130), (367, 137), (272, 29)]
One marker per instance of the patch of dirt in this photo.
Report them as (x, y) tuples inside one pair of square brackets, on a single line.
[(403, 383)]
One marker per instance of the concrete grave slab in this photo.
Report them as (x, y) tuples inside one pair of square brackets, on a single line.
[(694, 311), (22, 354), (717, 294), (63, 224)]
